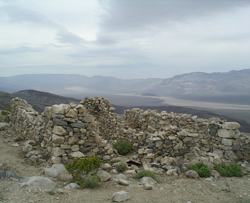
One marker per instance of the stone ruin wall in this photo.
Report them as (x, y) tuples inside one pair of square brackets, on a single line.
[(67, 131)]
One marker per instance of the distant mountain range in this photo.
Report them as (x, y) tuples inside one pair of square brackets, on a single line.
[(233, 86)]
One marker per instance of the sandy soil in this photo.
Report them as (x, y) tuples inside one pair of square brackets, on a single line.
[(170, 189)]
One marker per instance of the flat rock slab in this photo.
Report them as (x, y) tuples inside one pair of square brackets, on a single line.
[(120, 196), (36, 183), (9, 174)]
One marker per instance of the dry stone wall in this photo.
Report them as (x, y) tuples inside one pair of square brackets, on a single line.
[(67, 131)]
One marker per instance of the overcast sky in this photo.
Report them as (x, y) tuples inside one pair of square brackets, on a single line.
[(124, 38)]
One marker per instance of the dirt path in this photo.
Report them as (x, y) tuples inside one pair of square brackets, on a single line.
[(170, 189)]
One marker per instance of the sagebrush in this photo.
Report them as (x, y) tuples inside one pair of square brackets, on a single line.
[(202, 169), (145, 173), (80, 169), (123, 147), (121, 167), (230, 170)]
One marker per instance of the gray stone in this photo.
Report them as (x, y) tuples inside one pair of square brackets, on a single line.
[(60, 122), (60, 109), (120, 196), (167, 161), (72, 186), (120, 176), (123, 182), (76, 155), (36, 183), (192, 174), (103, 176), (27, 148), (230, 125), (226, 133), (89, 119), (59, 130), (78, 125), (55, 171), (58, 151), (4, 126), (106, 167), (147, 186), (149, 180), (57, 139), (227, 142), (9, 174)]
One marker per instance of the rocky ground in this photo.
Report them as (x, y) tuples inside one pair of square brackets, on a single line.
[(169, 188)]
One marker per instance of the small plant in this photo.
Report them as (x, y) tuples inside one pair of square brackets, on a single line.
[(4, 113), (202, 169), (81, 168), (121, 167), (52, 191), (91, 181), (145, 173), (123, 147), (231, 170), (245, 200)]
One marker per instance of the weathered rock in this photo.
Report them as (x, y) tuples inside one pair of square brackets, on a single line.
[(59, 130), (230, 125), (147, 186), (167, 161), (55, 171), (120, 176), (120, 196), (57, 139), (36, 183), (76, 155), (192, 174), (106, 167), (149, 180), (4, 126), (123, 182), (57, 151), (9, 174), (103, 176), (72, 186)]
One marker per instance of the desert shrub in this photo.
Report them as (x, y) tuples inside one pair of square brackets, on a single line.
[(5, 113), (80, 168), (231, 170), (145, 173), (121, 167), (123, 147), (91, 181), (202, 169)]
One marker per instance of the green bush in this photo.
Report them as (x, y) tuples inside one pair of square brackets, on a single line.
[(231, 170), (81, 168), (91, 181), (202, 169), (5, 113), (121, 167), (145, 173), (123, 147)]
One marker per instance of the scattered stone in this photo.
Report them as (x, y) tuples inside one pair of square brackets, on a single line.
[(106, 167), (103, 176), (123, 182), (192, 174), (147, 186), (55, 171), (9, 174), (4, 126), (120, 196), (149, 180), (120, 176), (36, 183), (72, 186)]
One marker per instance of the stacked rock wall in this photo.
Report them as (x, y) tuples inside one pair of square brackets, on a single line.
[(169, 134), (67, 131)]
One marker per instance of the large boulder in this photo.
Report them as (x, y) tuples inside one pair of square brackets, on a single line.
[(36, 183)]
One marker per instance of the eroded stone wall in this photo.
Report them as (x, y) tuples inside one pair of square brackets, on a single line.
[(67, 131)]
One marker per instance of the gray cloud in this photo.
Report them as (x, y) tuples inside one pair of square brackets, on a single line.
[(140, 14), (19, 50), (19, 15)]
